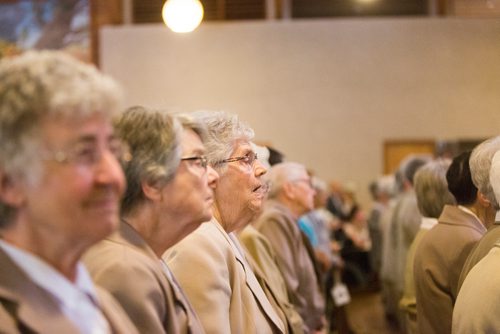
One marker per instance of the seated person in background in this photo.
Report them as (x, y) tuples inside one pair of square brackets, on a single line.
[(432, 193), (341, 202), (318, 226), (210, 263), (169, 194), (290, 196), (401, 224), (321, 225), (440, 256), (61, 184), (382, 190), (355, 252)]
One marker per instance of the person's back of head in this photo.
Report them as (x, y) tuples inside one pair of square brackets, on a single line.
[(431, 188), (275, 156), (459, 180), (410, 166), (480, 164)]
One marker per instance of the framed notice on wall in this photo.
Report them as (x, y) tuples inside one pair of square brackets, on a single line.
[(45, 24)]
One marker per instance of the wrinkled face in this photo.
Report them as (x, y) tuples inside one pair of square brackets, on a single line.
[(240, 192), (303, 193), (77, 194), (190, 193)]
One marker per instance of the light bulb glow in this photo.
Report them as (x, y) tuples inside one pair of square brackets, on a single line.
[(182, 15)]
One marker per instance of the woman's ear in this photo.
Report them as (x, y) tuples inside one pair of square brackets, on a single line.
[(11, 191), (151, 191), (483, 200)]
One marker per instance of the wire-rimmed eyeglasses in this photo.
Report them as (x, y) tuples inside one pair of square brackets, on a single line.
[(248, 159), (200, 159)]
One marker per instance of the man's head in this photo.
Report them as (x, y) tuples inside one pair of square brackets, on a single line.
[(409, 167), (459, 180), (59, 172), (480, 164), (291, 185), (240, 191), (431, 188)]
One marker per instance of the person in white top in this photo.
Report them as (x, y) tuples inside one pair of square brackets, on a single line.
[(60, 186)]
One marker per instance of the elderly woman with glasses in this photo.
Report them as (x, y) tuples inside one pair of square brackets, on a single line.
[(60, 187), (169, 194), (210, 263)]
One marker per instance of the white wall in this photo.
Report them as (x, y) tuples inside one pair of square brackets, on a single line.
[(326, 92)]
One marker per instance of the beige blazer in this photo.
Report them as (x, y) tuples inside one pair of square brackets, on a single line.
[(278, 225), (263, 259), (438, 262), (210, 266), (479, 251), (477, 304), (129, 269), (27, 308)]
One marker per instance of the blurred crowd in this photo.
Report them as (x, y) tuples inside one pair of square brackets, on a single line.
[(137, 220)]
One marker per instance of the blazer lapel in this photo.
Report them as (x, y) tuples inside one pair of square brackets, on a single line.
[(30, 306), (253, 283)]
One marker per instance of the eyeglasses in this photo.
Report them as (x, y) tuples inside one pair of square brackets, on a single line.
[(88, 153), (248, 159), (201, 160)]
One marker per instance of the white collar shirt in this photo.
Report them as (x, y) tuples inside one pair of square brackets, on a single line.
[(78, 301)]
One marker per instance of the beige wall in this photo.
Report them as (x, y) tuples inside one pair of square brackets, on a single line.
[(326, 92)]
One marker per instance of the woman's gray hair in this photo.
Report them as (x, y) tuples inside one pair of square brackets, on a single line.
[(282, 173), (480, 164), (431, 188), (224, 131), (45, 84), (188, 121), (40, 84), (153, 138)]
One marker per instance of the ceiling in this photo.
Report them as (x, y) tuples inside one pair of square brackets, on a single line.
[(149, 11)]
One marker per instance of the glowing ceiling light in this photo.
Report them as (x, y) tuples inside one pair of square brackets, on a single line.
[(182, 15)]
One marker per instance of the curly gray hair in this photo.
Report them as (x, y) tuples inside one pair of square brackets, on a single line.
[(39, 85), (153, 138), (224, 132), (480, 164)]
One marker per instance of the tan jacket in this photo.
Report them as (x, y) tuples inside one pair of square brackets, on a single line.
[(129, 269), (438, 262), (278, 225), (479, 251), (263, 260), (220, 284), (477, 304), (27, 308), (408, 302)]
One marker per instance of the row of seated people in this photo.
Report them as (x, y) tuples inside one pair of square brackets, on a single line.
[(142, 221), (434, 234)]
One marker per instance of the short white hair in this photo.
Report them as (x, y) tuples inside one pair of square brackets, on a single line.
[(224, 132), (282, 173)]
